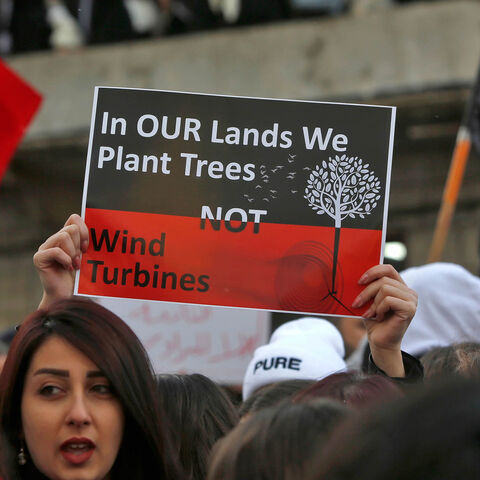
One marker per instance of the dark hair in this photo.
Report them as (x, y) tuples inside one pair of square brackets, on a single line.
[(199, 412), (276, 443), (272, 394), (354, 389), (433, 434), (461, 359), (113, 347)]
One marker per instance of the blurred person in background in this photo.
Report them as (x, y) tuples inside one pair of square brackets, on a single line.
[(24, 26), (197, 414), (247, 12), (271, 395), (448, 309), (354, 389), (189, 16), (276, 443), (30, 25), (432, 435), (319, 7), (108, 21), (458, 360)]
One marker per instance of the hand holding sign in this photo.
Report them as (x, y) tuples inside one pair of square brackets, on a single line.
[(58, 257), (387, 319)]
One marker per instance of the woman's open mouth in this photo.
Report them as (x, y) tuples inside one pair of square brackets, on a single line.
[(77, 450)]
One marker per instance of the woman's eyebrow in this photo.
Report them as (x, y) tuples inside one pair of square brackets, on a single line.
[(65, 373), (95, 373), (52, 371)]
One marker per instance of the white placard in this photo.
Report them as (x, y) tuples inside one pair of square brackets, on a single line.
[(217, 342)]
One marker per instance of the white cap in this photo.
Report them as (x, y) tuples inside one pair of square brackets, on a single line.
[(309, 348), (448, 309)]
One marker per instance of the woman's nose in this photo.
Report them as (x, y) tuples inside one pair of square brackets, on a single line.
[(78, 413)]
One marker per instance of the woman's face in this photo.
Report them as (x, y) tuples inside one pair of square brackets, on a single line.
[(72, 423)]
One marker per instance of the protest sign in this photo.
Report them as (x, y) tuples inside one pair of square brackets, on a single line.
[(234, 201), (193, 339)]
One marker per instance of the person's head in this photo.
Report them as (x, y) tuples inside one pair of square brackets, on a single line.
[(462, 360), (354, 389), (199, 412), (276, 443), (78, 394), (272, 394), (430, 435), (309, 348), (448, 308)]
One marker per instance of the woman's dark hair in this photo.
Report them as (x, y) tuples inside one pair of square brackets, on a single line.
[(276, 443), (108, 342), (354, 389), (199, 413), (432, 434), (459, 360), (272, 394)]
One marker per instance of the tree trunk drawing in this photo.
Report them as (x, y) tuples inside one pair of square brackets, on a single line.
[(340, 188), (335, 258)]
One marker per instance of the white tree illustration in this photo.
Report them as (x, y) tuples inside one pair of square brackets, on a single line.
[(342, 187)]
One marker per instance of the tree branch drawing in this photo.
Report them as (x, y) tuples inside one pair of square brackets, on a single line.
[(340, 188)]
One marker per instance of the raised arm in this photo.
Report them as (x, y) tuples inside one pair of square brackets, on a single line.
[(387, 319), (58, 257)]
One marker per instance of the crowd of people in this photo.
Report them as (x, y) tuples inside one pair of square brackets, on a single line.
[(79, 398), (30, 25), (398, 399)]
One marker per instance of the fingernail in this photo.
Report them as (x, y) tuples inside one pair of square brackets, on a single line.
[(368, 313), (84, 246), (363, 279), (357, 302), (77, 262)]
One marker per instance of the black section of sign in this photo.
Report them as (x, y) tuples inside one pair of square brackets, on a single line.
[(277, 180)]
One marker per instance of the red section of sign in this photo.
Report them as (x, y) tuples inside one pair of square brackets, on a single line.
[(18, 104), (282, 267)]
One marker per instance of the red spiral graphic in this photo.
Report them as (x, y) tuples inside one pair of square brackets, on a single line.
[(304, 277)]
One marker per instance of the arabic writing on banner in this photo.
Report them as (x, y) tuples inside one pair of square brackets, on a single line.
[(214, 200), (217, 342)]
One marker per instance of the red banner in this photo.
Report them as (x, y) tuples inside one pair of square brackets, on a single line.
[(167, 257)]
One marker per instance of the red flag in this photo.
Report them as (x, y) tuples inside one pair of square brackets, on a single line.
[(18, 104)]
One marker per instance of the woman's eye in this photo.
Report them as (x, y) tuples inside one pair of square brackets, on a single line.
[(49, 390), (102, 389)]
